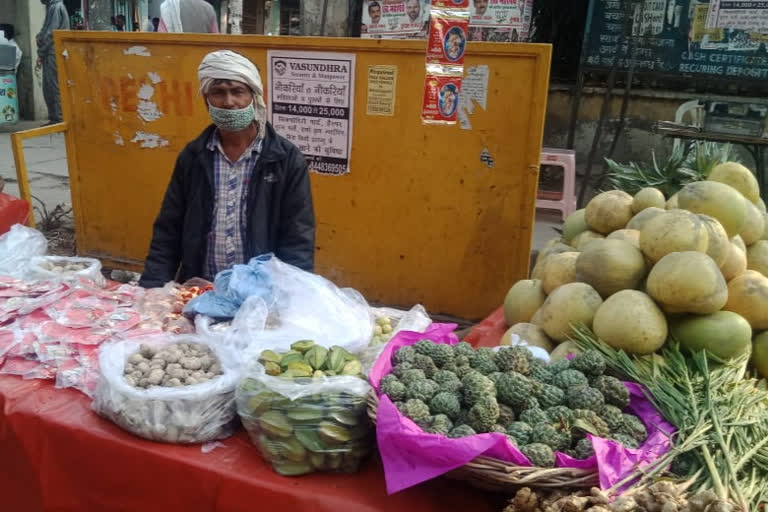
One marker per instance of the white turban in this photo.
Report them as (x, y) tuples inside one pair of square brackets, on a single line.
[(229, 65)]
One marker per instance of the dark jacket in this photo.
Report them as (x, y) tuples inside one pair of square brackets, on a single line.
[(279, 212)]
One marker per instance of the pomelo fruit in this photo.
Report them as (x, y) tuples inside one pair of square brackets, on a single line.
[(739, 243), (738, 177), (672, 203), (563, 350), (723, 333), (757, 257), (629, 320), (760, 354), (674, 231), (559, 269), (573, 225), (628, 235), (544, 253), (735, 264), (610, 265), (646, 198), (718, 244), (530, 334), (572, 303), (754, 225), (609, 211), (582, 239), (748, 296), (522, 301), (717, 200), (687, 282), (641, 218)]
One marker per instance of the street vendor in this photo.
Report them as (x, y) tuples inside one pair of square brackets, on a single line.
[(237, 191)]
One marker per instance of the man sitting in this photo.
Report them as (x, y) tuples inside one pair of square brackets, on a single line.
[(238, 190)]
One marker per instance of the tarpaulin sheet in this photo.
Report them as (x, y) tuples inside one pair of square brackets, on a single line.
[(57, 455)]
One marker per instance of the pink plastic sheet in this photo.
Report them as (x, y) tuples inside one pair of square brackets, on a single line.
[(411, 456)]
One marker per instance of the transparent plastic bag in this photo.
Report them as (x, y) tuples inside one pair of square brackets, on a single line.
[(66, 269), (415, 320), (190, 414), (306, 425), (302, 306), (18, 247)]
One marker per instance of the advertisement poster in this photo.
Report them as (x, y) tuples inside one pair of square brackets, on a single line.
[(310, 103), (450, 4), (512, 18), (382, 81), (746, 15), (395, 18), (441, 99), (9, 100), (447, 40)]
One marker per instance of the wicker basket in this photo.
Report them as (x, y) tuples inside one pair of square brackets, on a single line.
[(497, 475)]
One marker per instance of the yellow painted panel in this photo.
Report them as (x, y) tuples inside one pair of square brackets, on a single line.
[(420, 218)]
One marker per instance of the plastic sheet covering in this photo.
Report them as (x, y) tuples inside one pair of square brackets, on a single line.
[(58, 455), (188, 414), (17, 247), (301, 306), (64, 268)]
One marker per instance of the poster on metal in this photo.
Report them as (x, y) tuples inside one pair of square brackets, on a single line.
[(746, 15), (393, 19), (310, 103)]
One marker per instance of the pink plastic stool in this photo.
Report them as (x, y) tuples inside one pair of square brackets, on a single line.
[(565, 158)]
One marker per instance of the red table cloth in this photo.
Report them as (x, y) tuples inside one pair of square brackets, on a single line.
[(56, 454)]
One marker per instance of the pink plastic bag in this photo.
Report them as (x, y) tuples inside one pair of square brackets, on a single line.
[(411, 456)]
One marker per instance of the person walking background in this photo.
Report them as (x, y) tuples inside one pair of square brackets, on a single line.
[(188, 16), (56, 18)]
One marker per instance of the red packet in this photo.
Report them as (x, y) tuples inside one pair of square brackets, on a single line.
[(447, 40), (450, 4), (441, 99)]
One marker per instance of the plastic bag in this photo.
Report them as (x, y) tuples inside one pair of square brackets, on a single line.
[(416, 320), (67, 269), (302, 306), (411, 456), (18, 247), (190, 414), (232, 287), (12, 211), (306, 425)]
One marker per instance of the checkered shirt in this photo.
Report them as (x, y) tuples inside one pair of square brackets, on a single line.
[(226, 240)]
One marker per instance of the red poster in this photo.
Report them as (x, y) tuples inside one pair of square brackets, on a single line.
[(447, 40), (441, 99), (450, 4)]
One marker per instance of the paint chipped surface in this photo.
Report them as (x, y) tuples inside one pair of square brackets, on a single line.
[(113, 105), (130, 75), (70, 83), (65, 53), (118, 139), (147, 109), (146, 91), (154, 77), (149, 140), (140, 51)]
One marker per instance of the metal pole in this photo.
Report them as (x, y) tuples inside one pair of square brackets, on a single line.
[(603, 113), (579, 87)]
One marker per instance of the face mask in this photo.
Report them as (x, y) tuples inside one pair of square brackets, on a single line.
[(235, 120)]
